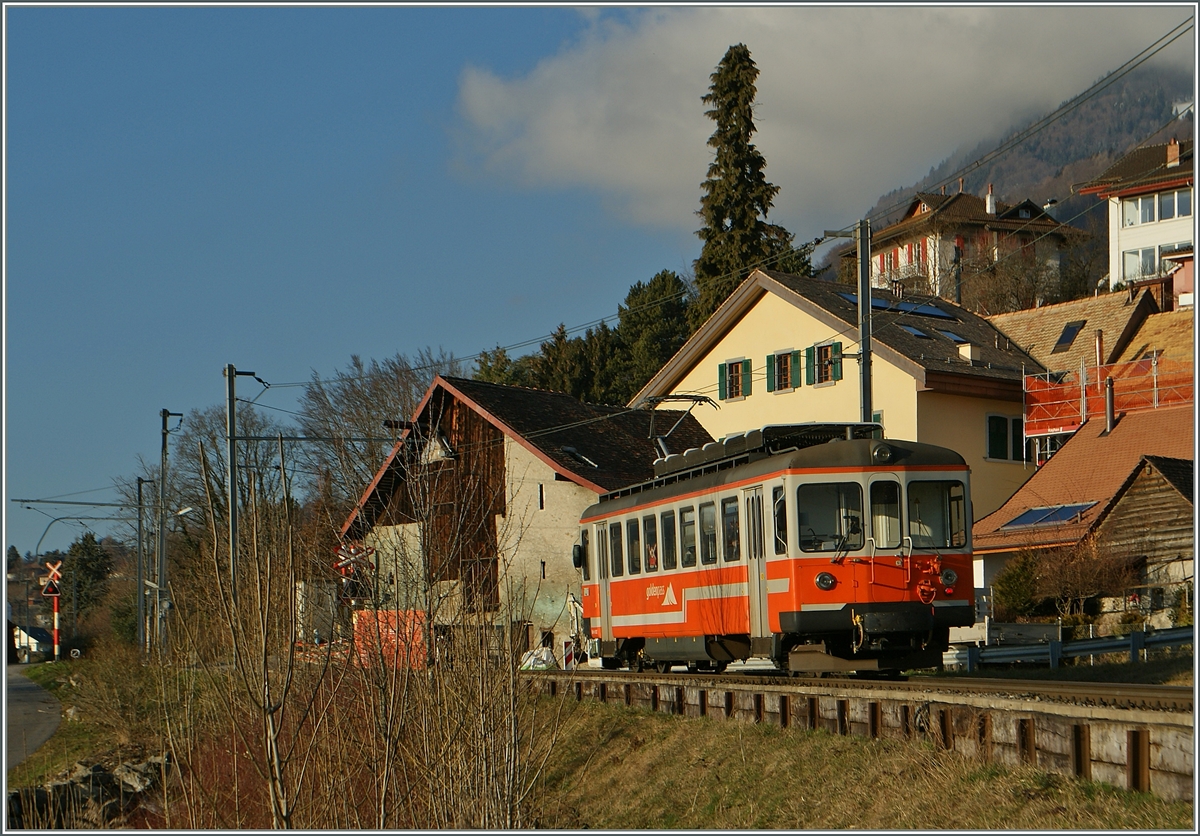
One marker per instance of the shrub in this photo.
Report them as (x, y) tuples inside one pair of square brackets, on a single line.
[(1014, 589)]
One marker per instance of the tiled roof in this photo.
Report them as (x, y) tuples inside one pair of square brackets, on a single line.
[(1169, 332), (615, 438), (998, 357), (965, 209), (1091, 467), (1179, 472), (1141, 170), (602, 447), (1037, 330)]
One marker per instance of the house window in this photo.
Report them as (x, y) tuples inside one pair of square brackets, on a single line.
[(1137, 264), (1174, 204), (1023, 213), (1069, 332), (1005, 438), (734, 379), (823, 363), (783, 371)]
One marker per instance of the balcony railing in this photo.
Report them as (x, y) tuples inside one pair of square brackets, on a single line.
[(1059, 402)]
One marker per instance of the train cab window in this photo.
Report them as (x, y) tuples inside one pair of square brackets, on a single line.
[(614, 538), (587, 557), (687, 537), (937, 514), (885, 514), (829, 516), (708, 532), (729, 528), (779, 505), (668, 539), (635, 547), (650, 538)]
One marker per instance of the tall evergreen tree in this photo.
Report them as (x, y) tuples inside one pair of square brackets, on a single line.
[(737, 196), (653, 326)]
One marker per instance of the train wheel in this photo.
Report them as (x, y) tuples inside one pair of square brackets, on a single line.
[(609, 663), (663, 667)]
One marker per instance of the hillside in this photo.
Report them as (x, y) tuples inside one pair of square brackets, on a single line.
[(1130, 112)]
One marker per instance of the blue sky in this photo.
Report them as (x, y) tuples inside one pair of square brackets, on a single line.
[(281, 188)]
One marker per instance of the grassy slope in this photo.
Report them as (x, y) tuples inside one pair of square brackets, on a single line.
[(618, 769)]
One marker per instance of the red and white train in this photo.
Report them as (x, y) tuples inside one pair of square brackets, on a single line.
[(821, 547)]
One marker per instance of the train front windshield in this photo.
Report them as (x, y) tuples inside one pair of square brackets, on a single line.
[(937, 514)]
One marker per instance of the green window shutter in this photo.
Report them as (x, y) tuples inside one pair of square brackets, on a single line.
[(795, 369), (770, 372), (721, 382), (747, 377), (836, 366), (810, 359)]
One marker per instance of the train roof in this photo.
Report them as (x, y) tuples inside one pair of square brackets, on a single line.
[(774, 448)]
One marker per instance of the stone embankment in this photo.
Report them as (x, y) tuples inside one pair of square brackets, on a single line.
[(89, 796)]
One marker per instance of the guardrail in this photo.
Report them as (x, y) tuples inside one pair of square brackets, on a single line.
[(1052, 652)]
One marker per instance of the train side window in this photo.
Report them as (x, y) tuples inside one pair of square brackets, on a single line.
[(614, 538), (635, 546), (729, 526), (708, 532), (779, 505), (602, 551), (668, 539), (885, 514), (687, 537), (829, 516), (937, 514), (650, 538), (587, 557)]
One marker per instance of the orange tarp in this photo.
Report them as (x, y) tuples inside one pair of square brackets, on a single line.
[(392, 637)]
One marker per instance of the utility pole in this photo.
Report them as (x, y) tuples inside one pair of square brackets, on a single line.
[(141, 580), (862, 240), (231, 375), (163, 595)]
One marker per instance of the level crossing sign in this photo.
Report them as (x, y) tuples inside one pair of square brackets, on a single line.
[(50, 590), (55, 570)]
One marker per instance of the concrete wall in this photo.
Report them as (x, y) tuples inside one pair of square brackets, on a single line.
[(536, 540)]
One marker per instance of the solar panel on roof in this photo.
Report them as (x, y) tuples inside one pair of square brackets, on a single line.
[(918, 308), (916, 332), (1048, 515), (953, 336)]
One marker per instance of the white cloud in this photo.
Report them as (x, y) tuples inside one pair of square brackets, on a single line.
[(852, 102)]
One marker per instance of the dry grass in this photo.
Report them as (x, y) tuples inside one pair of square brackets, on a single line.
[(621, 769)]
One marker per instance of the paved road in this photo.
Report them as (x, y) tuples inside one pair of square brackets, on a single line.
[(32, 716)]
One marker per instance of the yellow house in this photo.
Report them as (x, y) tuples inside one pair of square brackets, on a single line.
[(783, 349)]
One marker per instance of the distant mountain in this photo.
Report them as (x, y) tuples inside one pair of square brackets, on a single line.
[(1130, 112)]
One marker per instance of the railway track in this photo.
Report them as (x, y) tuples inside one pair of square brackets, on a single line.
[(1174, 698)]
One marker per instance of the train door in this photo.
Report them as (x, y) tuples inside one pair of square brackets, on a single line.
[(756, 561), (889, 566), (602, 575)]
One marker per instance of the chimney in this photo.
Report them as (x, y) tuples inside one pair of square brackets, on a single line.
[(1172, 153), (969, 352), (1099, 347), (991, 201), (943, 188), (1110, 418), (960, 185)]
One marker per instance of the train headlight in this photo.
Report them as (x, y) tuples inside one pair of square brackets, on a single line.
[(949, 577), (826, 581), (882, 454)]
